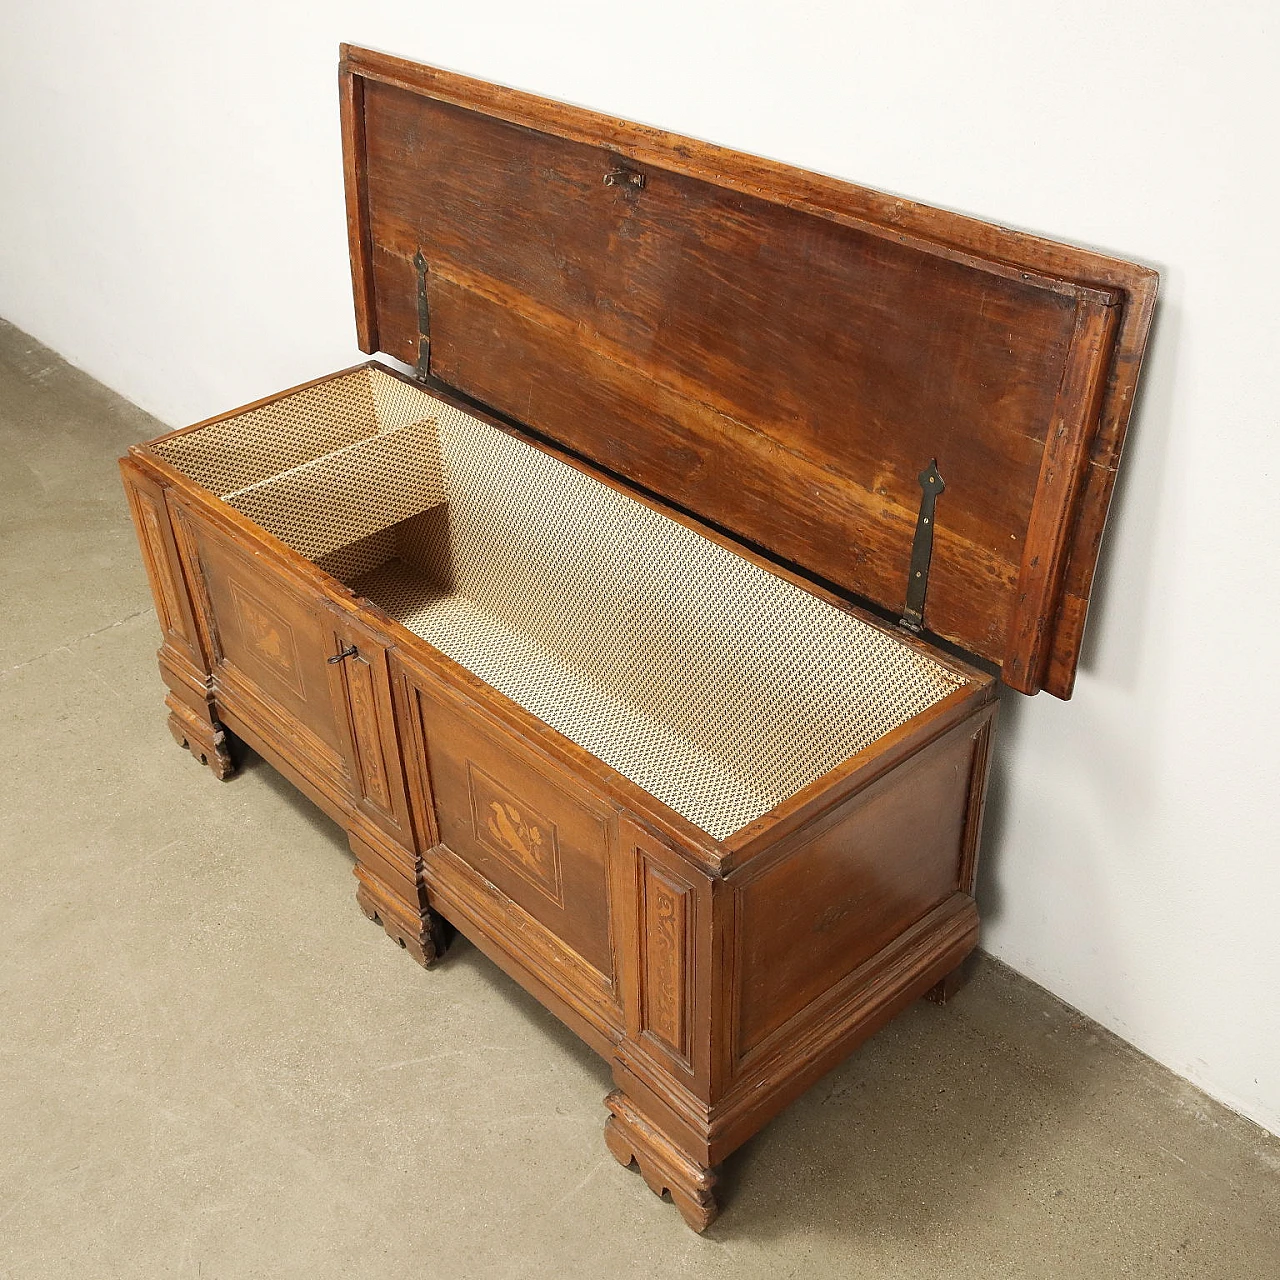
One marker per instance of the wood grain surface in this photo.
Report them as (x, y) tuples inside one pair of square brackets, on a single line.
[(777, 352)]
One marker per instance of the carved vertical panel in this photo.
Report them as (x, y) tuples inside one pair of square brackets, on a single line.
[(666, 960), (166, 598), (159, 556), (370, 758)]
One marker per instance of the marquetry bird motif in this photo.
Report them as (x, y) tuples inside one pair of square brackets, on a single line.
[(508, 827)]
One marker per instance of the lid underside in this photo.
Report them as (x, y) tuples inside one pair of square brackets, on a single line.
[(778, 353)]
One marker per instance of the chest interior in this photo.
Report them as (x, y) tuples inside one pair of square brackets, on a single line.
[(720, 688)]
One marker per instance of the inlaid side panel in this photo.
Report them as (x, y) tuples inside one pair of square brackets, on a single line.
[(666, 949)]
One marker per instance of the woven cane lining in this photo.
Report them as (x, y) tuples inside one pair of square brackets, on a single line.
[(350, 494), (714, 685), (241, 451)]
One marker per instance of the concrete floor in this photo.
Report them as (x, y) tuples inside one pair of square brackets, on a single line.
[(212, 1065)]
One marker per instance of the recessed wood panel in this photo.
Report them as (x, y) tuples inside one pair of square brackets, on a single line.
[(150, 513), (271, 638), (849, 886), (168, 607), (666, 959), (522, 825)]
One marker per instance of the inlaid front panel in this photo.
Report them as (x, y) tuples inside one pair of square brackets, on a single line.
[(268, 637), (518, 821)]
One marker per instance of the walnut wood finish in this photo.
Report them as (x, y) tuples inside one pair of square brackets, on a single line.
[(663, 948), (767, 357), (777, 352)]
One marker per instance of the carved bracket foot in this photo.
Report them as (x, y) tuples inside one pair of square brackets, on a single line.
[(421, 934), (664, 1168), (206, 740)]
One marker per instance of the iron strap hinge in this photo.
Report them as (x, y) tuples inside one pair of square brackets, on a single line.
[(931, 484), (424, 320)]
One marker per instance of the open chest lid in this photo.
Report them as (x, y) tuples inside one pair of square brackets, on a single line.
[(781, 354)]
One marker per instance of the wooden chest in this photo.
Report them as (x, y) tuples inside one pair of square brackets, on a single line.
[(585, 631)]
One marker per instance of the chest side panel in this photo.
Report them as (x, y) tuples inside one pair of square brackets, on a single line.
[(850, 885)]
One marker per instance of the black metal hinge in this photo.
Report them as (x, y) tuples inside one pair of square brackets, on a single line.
[(424, 319), (931, 484)]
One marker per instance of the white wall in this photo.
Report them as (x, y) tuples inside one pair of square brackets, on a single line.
[(171, 220)]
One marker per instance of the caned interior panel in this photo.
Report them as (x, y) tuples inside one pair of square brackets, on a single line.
[(343, 497), (716, 686), (250, 447)]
